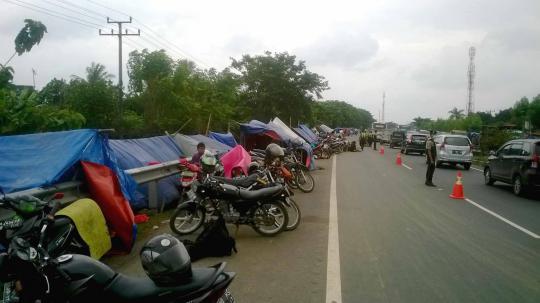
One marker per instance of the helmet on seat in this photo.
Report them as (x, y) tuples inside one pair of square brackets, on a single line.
[(166, 260), (273, 151), (208, 162)]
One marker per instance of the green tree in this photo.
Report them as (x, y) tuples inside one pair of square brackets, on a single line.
[(94, 97), (53, 93), (277, 85), (456, 113), (341, 114)]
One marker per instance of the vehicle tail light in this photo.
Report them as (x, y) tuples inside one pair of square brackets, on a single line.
[(535, 160)]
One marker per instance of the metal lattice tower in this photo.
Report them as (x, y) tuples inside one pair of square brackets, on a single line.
[(471, 73), (383, 100)]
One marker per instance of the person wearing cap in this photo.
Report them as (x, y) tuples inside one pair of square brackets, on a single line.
[(431, 155), (196, 158)]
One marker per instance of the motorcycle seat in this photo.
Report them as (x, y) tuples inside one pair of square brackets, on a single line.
[(143, 289), (260, 193), (240, 182)]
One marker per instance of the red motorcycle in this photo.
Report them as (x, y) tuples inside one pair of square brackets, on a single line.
[(189, 172)]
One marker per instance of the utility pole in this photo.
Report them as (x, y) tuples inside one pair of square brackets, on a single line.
[(120, 34)]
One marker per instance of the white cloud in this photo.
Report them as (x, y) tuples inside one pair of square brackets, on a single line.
[(416, 51)]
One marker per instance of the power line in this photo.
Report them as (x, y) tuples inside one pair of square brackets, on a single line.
[(109, 8), (57, 13), (83, 8), (72, 10), (184, 53), (166, 42), (48, 12)]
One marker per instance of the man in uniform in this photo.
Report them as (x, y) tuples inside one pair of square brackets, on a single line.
[(375, 141), (431, 154), (362, 140)]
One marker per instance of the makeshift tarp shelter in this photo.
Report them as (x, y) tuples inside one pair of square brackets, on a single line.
[(257, 134), (292, 139), (309, 132), (216, 147), (132, 153), (45, 159), (188, 144), (325, 128), (227, 138), (304, 135)]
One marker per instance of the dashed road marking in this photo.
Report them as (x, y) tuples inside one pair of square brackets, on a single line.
[(477, 169), (406, 166), (528, 232)]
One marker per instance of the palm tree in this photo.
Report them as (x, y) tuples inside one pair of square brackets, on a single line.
[(96, 72), (456, 113)]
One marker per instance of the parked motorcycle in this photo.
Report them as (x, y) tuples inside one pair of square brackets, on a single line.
[(21, 217), (301, 175), (261, 208), (30, 274)]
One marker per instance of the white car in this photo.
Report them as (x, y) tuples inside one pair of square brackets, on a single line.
[(454, 149)]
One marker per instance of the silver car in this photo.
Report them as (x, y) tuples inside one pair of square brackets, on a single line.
[(454, 149)]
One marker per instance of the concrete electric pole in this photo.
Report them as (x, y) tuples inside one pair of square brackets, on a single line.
[(120, 34)]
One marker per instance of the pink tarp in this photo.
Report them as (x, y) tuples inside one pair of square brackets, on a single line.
[(236, 157)]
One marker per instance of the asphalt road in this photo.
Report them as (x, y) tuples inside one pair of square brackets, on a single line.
[(399, 241)]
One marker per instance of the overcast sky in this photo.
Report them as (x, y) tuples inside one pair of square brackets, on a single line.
[(416, 50)]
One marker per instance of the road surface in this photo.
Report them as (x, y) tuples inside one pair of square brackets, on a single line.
[(399, 240)]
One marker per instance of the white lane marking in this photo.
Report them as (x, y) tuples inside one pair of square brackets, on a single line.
[(333, 269), (528, 232), (407, 167), (477, 169)]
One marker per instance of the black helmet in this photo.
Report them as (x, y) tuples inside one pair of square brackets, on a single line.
[(274, 151), (166, 260), (253, 167)]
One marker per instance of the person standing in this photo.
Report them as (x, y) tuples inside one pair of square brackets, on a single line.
[(431, 154), (375, 141), (362, 140)]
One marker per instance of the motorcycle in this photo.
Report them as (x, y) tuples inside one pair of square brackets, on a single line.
[(30, 274), (300, 173), (20, 217), (262, 209)]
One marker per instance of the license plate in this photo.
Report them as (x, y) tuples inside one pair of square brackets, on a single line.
[(456, 152)]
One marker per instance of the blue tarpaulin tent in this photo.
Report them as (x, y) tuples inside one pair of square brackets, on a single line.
[(227, 138), (132, 153), (309, 132), (45, 159), (212, 144), (303, 134)]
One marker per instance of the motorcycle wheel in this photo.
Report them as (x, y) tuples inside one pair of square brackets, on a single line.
[(294, 214), (186, 219), (269, 218), (325, 155), (305, 180)]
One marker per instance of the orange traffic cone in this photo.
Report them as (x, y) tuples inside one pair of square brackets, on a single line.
[(398, 159), (457, 192), (381, 151)]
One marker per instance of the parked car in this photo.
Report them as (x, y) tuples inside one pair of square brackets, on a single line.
[(415, 143), (516, 163), (397, 138), (454, 149)]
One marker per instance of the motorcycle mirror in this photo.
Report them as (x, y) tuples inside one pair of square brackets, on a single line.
[(58, 196)]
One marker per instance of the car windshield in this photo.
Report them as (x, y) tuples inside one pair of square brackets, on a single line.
[(457, 141)]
